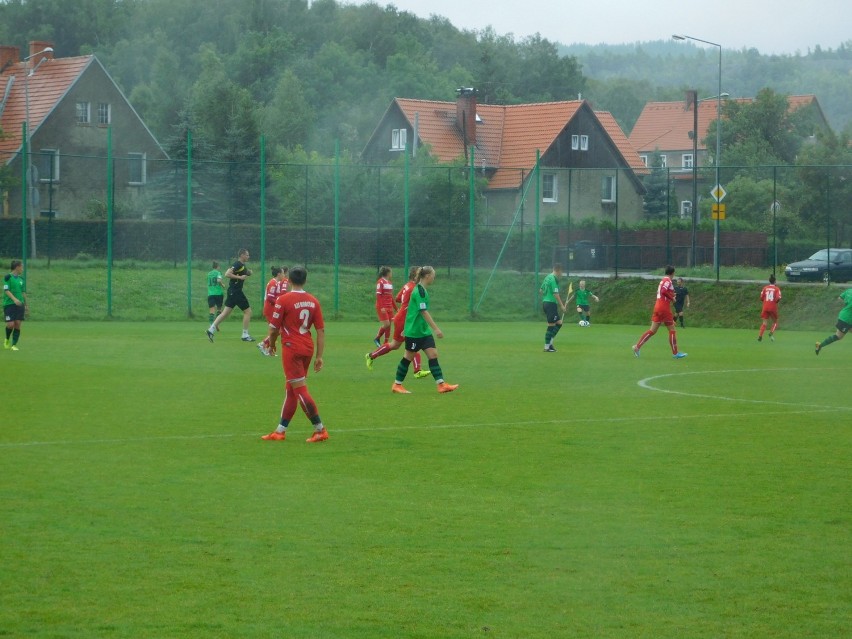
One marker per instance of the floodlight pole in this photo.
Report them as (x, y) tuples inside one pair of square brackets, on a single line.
[(28, 145), (718, 143)]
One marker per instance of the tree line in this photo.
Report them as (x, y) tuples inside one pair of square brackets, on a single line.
[(306, 74)]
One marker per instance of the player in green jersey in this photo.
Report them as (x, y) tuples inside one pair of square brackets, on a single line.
[(14, 304), (583, 309), (215, 292), (420, 333), (551, 302), (844, 321)]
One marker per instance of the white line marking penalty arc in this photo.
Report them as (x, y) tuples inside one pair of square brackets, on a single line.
[(646, 383)]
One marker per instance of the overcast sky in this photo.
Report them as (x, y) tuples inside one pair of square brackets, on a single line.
[(770, 26)]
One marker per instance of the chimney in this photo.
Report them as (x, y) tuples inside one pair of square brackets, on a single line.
[(8, 56), (466, 114), (37, 46)]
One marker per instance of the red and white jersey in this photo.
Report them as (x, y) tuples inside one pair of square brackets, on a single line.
[(294, 315), (274, 288), (770, 296), (665, 294), (402, 298), (384, 294)]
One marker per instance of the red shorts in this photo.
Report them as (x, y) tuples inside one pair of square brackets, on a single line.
[(398, 326), (767, 314), (267, 310), (296, 366), (663, 316), (385, 314)]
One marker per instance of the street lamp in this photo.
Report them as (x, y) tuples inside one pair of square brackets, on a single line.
[(718, 142), (28, 172)]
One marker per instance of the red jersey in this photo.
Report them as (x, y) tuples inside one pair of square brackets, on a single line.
[(770, 296), (274, 288), (665, 295), (384, 294), (293, 315)]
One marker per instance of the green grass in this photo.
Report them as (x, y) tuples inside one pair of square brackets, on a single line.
[(585, 493), (143, 291)]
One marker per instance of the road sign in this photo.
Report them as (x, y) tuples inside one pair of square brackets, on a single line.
[(717, 212), (718, 192)]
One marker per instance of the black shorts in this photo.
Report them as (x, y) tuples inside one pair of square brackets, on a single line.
[(678, 308), (13, 313), (551, 311), (238, 299), (415, 344), (842, 326), (583, 307), (215, 300)]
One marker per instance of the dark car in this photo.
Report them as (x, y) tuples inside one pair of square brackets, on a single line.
[(828, 265)]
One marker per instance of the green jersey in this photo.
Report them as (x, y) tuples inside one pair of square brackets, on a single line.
[(415, 324), (582, 296), (846, 312), (214, 283), (15, 285), (549, 288)]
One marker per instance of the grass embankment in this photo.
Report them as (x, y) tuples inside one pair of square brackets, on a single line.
[(82, 290)]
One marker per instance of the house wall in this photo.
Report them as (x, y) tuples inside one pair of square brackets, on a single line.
[(82, 148), (380, 150)]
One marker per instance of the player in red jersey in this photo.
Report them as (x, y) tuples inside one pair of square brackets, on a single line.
[(294, 314), (274, 287), (385, 305), (770, 296), (398, 339), (662, 315)]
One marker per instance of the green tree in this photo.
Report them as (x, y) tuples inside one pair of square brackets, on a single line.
[(758, 132), (657, 201)]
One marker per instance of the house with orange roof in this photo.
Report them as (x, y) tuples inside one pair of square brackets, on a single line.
[(668, 128), (68, 105), (589, 169)]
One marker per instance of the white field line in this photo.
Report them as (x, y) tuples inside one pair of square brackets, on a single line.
[(647, 384), (423, 427)]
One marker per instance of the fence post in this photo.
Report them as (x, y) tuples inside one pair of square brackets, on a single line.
[(189, 222), (537, 257), (25, 186), (472, 204), (110, 211)]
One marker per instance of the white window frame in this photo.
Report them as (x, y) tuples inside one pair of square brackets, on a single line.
[(83, 113), (584, 142), (664, 160), (399, 139), (549, 187), (575, 142), (609, 188), (41, 162), (142, 159), (104, 113), (686, 209), (644, 159), (686, 161)]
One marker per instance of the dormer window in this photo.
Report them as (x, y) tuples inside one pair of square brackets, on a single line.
[(398, 139)]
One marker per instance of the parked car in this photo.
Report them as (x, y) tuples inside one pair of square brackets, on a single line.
[(828, 265)]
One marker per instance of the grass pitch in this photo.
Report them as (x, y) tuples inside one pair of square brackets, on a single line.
[(584, 493)]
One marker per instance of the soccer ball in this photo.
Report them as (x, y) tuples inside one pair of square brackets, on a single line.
[(583, 323)]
